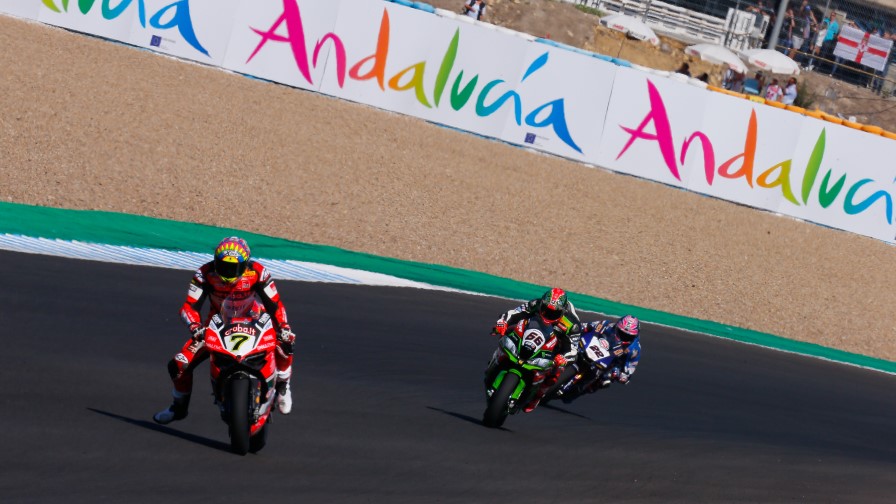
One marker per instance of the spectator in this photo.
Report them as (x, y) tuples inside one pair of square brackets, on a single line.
[(820, 36), (684, 69), (755, 85), (475, 9), (804, 20), (733, 81), (830, 36), (773, 91), (790, 92), (704, 77), (787, 26), (760, 78)]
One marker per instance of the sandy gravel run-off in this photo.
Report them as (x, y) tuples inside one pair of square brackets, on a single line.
[(92, 125)]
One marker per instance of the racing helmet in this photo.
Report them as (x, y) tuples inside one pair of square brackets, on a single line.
[(553, 305), (627, 329), (231, 258)]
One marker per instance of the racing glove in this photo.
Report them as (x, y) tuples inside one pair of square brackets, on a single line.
[(559, 360), (286, 338), (614, 373), (500, 327), (623, 378), (197, 332)]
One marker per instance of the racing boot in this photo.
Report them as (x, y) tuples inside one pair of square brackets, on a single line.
[(284, 395), (529, 408), (177, 410)]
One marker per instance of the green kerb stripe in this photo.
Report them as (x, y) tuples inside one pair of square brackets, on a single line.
[(138, 231)]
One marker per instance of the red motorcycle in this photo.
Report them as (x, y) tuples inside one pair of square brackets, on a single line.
[(244, 373)]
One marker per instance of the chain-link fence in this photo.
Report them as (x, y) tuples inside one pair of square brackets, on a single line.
[(850, 40)]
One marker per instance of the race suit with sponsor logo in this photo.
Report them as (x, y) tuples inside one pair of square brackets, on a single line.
[(567, 328), (253, 286), (626, 356)]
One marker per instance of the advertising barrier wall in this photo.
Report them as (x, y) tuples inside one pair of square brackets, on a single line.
[(286, 42), (20, 8), (471, 76)]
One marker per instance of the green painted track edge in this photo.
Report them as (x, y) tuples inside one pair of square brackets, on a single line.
[(121, 229)]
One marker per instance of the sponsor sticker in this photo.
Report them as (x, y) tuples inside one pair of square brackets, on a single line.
[(195, 292)]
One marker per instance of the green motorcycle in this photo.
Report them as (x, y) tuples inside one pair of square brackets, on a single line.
[(525, 353)]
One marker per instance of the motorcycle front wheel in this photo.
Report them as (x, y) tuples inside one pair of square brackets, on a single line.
[(238, 400), (497, 410), (258, 441)]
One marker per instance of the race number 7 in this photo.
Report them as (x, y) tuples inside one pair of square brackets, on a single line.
[(237, 341)]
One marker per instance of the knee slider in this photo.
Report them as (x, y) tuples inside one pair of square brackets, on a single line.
[(174, 368)]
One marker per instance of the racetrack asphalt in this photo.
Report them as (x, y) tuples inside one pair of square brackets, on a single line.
[(388, 396)]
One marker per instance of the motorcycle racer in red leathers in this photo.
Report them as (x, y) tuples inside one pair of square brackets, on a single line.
[(234, 275)]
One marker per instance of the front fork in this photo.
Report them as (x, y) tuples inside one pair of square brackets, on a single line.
[(255, 398), (494, 376)]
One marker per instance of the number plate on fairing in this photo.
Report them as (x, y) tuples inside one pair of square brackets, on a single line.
[(241, 339), (597, 349)]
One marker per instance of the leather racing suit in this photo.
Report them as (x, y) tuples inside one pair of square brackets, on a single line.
[(254, 285)]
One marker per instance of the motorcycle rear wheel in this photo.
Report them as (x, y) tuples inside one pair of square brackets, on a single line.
[(238, 398), (497, 410)]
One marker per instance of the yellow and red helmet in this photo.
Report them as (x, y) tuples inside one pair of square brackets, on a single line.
[(231, 258)]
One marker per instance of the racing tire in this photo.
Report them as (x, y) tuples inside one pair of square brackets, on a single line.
[(257, 442), (565, 376), (496, 411), (238, 399)]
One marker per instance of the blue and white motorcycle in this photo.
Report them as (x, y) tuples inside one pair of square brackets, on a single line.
[(597, 352)]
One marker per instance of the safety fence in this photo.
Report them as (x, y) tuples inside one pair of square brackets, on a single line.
[(745, 24), (409, 58)]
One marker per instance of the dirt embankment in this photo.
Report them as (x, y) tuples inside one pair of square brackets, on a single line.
[(92, 125)]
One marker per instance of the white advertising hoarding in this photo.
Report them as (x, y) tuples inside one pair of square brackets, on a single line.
[(651, 125), (22, 8), (564, 97), (410, 61), (287, 42), (95, 17), (844, 178), (196, 29), (751, 143)]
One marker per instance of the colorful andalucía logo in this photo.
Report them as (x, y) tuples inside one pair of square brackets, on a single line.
[(177, 14)]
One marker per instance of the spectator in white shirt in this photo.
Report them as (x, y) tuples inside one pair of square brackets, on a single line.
[(790, 92)]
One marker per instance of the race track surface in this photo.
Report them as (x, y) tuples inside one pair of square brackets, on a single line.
[(388, 396)]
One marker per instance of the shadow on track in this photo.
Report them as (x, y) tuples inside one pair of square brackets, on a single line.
[(211, 443), (565, 411), (468, 418)]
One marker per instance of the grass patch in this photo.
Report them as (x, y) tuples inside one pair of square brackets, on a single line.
[(590, 10)]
